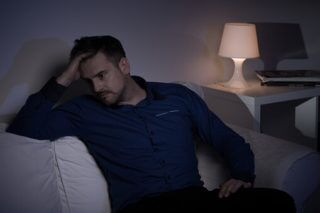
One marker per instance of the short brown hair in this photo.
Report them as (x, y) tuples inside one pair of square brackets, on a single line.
[(106, 44)]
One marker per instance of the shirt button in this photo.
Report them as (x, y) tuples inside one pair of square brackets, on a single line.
[(168, 178), (151, 140)]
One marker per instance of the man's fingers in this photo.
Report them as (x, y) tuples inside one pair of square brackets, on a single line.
[(247, 185), (229, 188), (72, 73), (225, 189), (222, 192), (81, 56), (235, 187), (76, 61), (232, 186)]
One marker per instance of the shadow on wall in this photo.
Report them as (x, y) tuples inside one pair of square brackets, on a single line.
[(175, 57), (279, 41), (36, 62), (197, 62)]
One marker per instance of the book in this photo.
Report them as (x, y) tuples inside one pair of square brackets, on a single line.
[(286, 77), (293, 84)]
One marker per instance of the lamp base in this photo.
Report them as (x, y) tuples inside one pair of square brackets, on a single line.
[(237, 80), (235, 83)]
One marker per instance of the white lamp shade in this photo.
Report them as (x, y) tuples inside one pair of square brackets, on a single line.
[(239, 40)]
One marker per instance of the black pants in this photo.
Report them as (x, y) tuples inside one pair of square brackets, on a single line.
[(199, 199)]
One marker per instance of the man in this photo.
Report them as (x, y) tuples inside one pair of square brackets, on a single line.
[(140, 134)]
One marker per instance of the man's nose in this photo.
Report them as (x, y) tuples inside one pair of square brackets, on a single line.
[(97, 87)]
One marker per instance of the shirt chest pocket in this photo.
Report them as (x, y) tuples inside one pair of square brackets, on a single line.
[(173, 120)]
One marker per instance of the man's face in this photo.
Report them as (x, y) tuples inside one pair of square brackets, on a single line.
[(107, 80)]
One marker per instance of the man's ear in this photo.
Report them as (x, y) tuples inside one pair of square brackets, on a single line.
[(124, 65)]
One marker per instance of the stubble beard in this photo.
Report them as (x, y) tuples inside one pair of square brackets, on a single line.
[(108, 98)]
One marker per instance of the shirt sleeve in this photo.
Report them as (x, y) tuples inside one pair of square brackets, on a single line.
[(38, 119), (224, 140)]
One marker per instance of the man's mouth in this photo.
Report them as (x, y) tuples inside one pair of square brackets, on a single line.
[(104, 95)]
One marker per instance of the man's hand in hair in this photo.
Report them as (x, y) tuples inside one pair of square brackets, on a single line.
[(72, 73)]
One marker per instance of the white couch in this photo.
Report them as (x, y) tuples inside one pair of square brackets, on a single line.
[(61, 176)]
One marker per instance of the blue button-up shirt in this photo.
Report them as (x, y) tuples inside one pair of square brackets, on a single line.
[(142, 150)]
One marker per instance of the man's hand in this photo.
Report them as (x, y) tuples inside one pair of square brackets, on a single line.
[(72, 73), (231, 186)]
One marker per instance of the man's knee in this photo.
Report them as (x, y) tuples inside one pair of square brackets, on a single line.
[(281, 201), (284, 200), (264, 200)]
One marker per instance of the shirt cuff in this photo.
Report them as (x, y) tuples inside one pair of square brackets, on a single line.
[(244, 176), (52, 90)]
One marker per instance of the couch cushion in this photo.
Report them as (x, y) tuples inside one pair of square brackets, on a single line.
[(28, 181)]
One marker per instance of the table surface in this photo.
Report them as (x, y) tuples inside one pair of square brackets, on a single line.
[(269, 94)]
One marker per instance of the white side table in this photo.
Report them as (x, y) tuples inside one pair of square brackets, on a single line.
[(226, 101)]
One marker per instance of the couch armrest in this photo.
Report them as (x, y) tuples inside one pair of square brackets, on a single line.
[(279, 164)]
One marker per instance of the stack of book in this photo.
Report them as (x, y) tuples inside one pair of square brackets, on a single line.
[(289, 77)]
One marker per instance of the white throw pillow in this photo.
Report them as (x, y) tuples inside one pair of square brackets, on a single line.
[(82, 186), (28, 182), (43, 176)]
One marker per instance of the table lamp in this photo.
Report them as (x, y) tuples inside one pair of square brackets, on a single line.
[(239, 42)]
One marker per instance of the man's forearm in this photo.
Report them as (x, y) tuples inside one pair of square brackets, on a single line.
[(34, 113), (64, 80), (224, 140)]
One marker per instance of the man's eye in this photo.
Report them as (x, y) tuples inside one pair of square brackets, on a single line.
[(101, 75), (88, 81)]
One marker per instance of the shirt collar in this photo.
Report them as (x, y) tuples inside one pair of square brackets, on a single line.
[(149, 92), (152, 94), (144, 85)]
